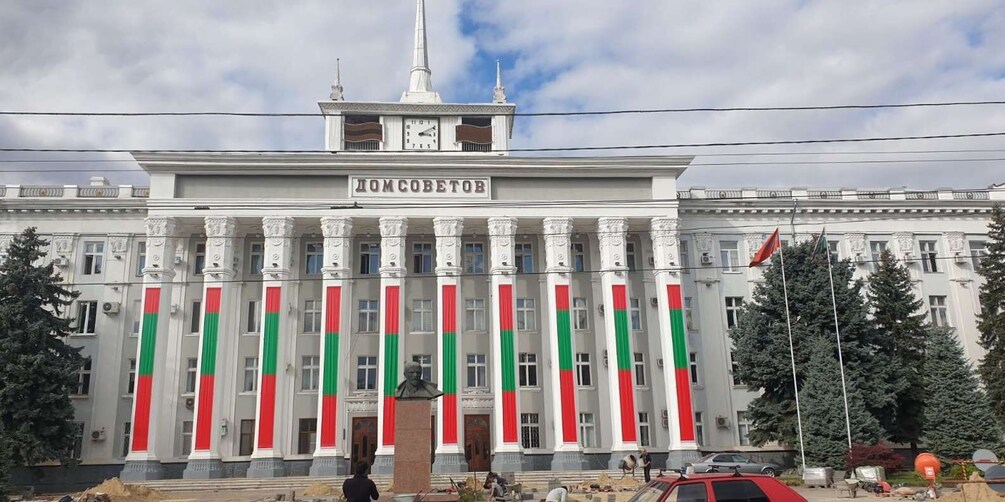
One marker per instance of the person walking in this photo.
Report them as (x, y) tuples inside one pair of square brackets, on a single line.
[(646, 462), (360, 488)]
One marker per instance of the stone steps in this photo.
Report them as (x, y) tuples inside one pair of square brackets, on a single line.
[(533, 479)]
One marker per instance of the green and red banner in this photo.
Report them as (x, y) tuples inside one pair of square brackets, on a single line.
[(329, 388), (267, 389), (567, 385), (391, 308), (626, 387), (145, 375), (449, 362), (207, 369), (678, 340), (508, 362)]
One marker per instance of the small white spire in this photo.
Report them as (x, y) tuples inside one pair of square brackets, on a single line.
[(420, 84), (337, 87), (499, 93)]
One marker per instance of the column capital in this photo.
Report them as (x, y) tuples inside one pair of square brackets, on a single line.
[(278, 231), (856, 243), (62, 243), (663, 232), (611, 233), (160, 246), (905, 243), (955, 242), (393, 230), (278, 227), (118, 244), (337, 231), (448, 244), (501, 240), (220, 234), (556, 244)]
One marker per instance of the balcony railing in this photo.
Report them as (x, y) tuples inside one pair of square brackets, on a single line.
[(98, 192), (41, 191)]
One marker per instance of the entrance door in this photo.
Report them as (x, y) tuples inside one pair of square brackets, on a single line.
[(477, 441), (364, 440)]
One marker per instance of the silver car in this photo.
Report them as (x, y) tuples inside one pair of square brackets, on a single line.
[(727, 462)]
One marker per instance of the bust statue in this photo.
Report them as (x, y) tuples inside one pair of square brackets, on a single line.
[(414, 387)]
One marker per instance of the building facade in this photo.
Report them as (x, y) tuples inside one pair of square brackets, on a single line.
[(250, 315)]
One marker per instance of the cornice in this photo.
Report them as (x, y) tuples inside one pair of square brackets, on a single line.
[(395, 108)]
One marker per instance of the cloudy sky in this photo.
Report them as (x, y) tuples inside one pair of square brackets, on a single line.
[(558, 55)]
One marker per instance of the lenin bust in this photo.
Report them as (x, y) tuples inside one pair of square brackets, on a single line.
[(414, 387)]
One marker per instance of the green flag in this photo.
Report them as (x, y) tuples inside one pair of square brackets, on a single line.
[(820, 244)]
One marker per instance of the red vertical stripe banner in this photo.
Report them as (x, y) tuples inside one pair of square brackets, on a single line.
[(626, 386), (267, 388), (508, 362), (391, 325), (449, 362), (678, 343), (144, 377), (329, 387)]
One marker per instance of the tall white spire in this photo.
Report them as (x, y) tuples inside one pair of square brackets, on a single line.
[(499, 93), (420, 84), (337, 86)]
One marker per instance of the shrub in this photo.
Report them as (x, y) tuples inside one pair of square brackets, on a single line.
[(878, 455)]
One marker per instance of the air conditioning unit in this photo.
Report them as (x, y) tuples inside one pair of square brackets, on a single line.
[(110, 308), (655, 302), (908, 258), (860, 258), (960, 258), (706, 259), (177, 260), (722, 422), (665, 418), (659, 362), (61, 261), (190, 403), (98, 435)]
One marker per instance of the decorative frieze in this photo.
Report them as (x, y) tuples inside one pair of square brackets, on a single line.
[(954, 240), (856, 244), (118, 244), (904, 242), (753, 242)]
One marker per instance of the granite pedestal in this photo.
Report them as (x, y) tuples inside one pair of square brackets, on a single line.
[(412, 445)]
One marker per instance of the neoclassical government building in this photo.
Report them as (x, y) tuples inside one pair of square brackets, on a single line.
[(250, 314)]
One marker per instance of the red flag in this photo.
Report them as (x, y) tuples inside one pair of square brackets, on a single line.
[(766, 250)]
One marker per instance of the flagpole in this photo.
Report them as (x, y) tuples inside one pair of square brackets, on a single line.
[(837, 334), (792, 356)]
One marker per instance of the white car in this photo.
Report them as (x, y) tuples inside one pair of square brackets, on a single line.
[(728, 462)]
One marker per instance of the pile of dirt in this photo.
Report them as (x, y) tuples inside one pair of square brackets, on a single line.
[(973, 492), (118, 491), (321, 490), (607, 483)]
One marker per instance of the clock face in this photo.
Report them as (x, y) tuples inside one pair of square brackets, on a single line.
[(421, 134)]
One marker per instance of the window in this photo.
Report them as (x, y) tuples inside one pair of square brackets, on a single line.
[(474, 314), (186, 438), (528, 370), (137, 312), (524, 255), (307, 437), (730, 256), (310, 372), (474, 258), (369, 258), (588, 430), (699, 429), (734, 368), (580, 314), (250, 374), (84, 379), (977, 250), (312, 316), (78, 440), (422, 316), (526, 314), (692, 360), (530, 430), (127, 428), (578, 257), (94, 255), (314, 259), (733, 306), (476, 371), (832, 247), (939, 310), (584, 375), (640, 369), (738, 490), (87, 315), (422, 258), (929, 256), (256, 258), (254, 316), (141, 257), (644, 429), (200, 258), (426, 362), (876, 249), (368, 312), (689, 321), (193, 322), (131, 377), (693, 492), (246, 442), (191, 372), (743, 428), (635, 307), (630, 256), (366, 373), (685, 258)]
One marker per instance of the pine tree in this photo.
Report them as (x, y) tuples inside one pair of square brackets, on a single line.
[(896, 313), (822, 403), (991, 321), (958, 416), (762, 343), (39, 370)]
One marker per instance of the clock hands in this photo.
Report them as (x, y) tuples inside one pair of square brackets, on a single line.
[(426, 132)]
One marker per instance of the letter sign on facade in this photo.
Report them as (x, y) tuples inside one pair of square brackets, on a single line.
[(362, 187)]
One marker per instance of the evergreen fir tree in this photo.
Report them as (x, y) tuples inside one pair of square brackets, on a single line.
[(897, 314), (958, 416), (762, 343), (991, 321), (826, 433), (39, 370)]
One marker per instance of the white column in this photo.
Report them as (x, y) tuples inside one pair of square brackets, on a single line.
[(621, 381), (392, 272), (328, 457), (145, 451), (106, 364), (506, 415), (449, 449), (272, 417)]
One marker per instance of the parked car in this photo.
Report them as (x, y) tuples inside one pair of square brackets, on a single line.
[(730, 462), (716, 487)]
